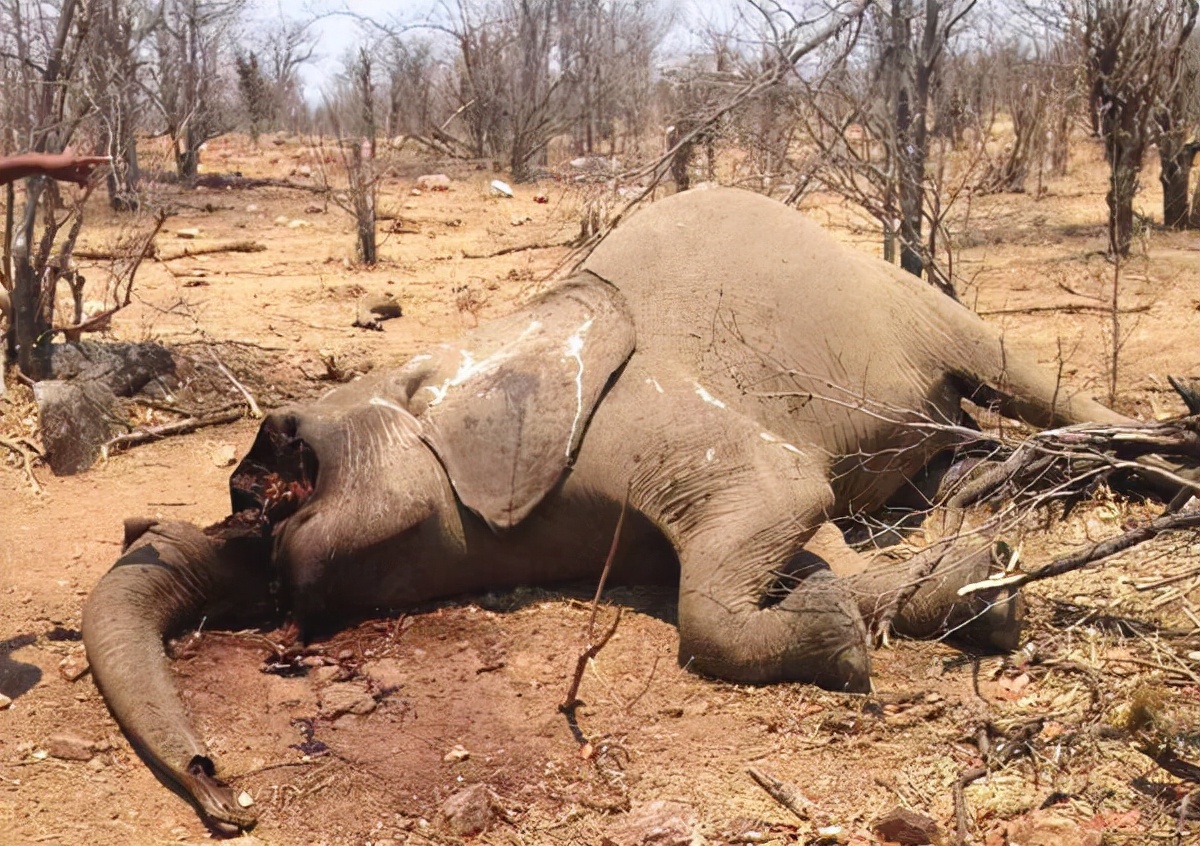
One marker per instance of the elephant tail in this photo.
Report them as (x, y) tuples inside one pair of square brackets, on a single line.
[(170, 575)]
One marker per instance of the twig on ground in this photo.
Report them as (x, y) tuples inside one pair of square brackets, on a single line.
[(255, 411), (26, 460), (235, 247), (787, 795), (960, 801), (179, 427), (570, 242)]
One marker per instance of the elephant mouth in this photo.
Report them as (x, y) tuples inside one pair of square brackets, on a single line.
[(276, 477)]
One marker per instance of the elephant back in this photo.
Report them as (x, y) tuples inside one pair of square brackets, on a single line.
[(767, 309)]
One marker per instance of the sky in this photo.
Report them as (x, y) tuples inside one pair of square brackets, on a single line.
[(338, 33)]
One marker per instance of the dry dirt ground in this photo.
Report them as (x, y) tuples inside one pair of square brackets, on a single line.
[(397, 715)]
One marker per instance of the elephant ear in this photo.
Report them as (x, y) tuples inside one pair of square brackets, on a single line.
[(505, 406)]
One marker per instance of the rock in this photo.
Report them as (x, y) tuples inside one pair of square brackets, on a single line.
[(188, 233), (383, 307), (657, 823), (76, 419), (73, 667), (224, 455), (5, 701), (251, 208), (70, 747), (458, 753), (314, 209), (298, 224), (433, 182), (907, 828), (521, 219), (1050, 828), (500, 189), (304, 170), (469, 811), (346, 698), (78, 409), (282, 220)]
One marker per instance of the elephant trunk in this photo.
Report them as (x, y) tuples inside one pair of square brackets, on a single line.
[(169, 576)]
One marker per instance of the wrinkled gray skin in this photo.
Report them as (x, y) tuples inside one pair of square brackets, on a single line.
[(737, 374)]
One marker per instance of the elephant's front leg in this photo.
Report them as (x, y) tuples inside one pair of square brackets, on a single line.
[(737, 503), (919, 597)]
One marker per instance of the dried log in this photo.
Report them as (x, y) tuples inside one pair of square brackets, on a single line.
[(179, 427), (1090, 554)]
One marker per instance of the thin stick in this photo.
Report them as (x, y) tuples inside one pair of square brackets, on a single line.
[(180, 427), (571, 700), (571, 242), (612, 553), (255, 411), (25, 460), (235, 247), (1097, 551), (960, 801), (787, 795)]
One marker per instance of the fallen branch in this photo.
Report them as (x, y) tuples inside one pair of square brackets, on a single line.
[(26, 460), (234, 247), (255, 411), (1090, 554), (571, 242), (179, 427), (960, 801), (787, 795)]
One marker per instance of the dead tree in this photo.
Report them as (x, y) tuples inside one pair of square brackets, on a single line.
[(188, 79), (1133, 53)]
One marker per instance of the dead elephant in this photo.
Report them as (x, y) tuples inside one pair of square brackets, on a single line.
[(719, 361)]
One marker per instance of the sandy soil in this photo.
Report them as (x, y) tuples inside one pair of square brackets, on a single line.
[(395, 716)]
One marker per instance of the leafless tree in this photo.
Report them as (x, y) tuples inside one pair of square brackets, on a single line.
[(113, 63), (46, 53), (1134, 51), (189, 83), (352, 111), (1178, 123)]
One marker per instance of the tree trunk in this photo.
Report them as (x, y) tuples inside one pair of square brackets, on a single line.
[(1194, 216), (32, 316), (1176, 161)]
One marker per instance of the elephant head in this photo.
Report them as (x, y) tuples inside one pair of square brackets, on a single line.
[(374, 471)]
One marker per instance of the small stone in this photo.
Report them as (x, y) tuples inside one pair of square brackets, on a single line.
[(346, 698), (252, 208), (5, 701), (188, 233), (456, 754), (433, 182), (908, 828), (500, 189), (314, 209), (304, 170), (282, 220), (298, 224), (661, 823), (469, 811), (224, 455), (73, 667), (70, 747), (245, 800)]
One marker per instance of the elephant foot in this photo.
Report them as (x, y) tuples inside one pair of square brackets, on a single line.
[(992, 620)]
